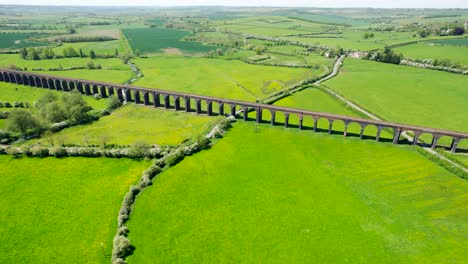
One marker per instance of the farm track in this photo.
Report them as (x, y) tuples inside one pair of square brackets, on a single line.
[(336, 69)]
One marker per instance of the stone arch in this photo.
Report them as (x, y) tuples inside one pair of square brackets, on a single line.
[(25, 79), (233, 108), (45, 84), (445, 142), (2, 79), (71, 85), (95, 89), (323, 124), (166, 100), (31, 81), (79, 87), (102, 91), (137, 97), (425, 139), (156, 99), (146, 98), (454, 146), (187, 104), (38, 82), (177, 102), (221, 110), (12, 78), (6, 77), (51, 84), (18, 78), (128, 95), (87, 89), (120, 94), (65, 85), (111, 91), (58, 85)]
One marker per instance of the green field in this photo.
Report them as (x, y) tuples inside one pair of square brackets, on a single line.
[(297, 197), (453, 42), (113, 70), (100, 48), (458, 54), (62, 210), (217, 77), (18, 93), (154, 40), (132, 124), (405, 94), (18, 40)]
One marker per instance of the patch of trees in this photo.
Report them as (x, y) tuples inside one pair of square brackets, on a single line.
[(74, 39), (71, 108), (36, 53), (386, 55), (452, 29), (368, 35)]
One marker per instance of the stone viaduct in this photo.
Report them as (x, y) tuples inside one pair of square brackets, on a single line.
[(173, 100)]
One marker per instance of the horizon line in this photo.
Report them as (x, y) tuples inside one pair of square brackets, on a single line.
[(236, 6)]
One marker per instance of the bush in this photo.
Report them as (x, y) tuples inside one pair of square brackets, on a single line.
[(113, 102), (122, 248), (58, 152), (15, 152), (174, 158), (39, 151)]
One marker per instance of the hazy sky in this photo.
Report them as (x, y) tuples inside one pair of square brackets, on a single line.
[(311, 3)]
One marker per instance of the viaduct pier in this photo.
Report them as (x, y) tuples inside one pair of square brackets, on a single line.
[(195, 103)]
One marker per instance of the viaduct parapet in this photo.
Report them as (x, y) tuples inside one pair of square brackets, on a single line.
[(195, 103)]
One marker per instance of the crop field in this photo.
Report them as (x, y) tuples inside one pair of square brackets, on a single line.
[(152, 126), (155, 40), (19, 93), (353, 39), (18, 40), (62, 210), (293, 204), (272, 26), (218, 77), (100, 48), (405, 94), (458, 54), (452, 42)]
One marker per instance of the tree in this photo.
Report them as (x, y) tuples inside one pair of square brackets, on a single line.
[(90, 65), (23, 53), (44, 100), (113, 102), (69, 52), (23, 121), (116, 52), (92, 55), (54, 113), (220, 52), (81, 53)]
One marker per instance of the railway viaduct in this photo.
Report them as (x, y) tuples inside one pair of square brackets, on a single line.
[(173, 100)]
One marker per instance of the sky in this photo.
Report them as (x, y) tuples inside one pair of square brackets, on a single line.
[(292, 3)]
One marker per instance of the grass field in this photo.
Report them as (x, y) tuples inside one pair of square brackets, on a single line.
[(18, 93), (297, 197), (18, 40), (405, 94), (154, 40), (113, 70), (217, 77), (314, 99), (458, 54), (453, 42), (132, 124), (100, 48), (62, 210)]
